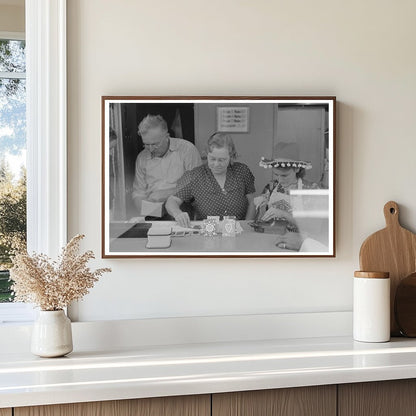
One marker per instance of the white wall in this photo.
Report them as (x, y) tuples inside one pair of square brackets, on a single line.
[(360, 51)]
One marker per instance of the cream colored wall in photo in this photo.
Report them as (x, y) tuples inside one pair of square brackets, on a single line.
[(250, 146), (361, 52)]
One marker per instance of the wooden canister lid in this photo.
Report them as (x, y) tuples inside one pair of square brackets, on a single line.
[(372, 275)]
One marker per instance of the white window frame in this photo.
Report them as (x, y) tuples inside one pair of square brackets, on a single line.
[(46, 134), (46, 125)]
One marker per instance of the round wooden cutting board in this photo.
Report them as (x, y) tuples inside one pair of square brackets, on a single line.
[(405, 306), (393, 250)]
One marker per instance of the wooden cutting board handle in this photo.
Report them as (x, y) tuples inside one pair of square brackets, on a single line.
[(391, 214)]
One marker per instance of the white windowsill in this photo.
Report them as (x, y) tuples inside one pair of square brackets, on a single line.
[(16, 313)]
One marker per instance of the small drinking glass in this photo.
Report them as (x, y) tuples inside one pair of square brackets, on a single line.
[(228, 226)]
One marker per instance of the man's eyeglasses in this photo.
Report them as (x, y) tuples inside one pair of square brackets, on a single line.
[(154, 146)]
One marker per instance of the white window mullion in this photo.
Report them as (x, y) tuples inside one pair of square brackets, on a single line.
[(12, 75)]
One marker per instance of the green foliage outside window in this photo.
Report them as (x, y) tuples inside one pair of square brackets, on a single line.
[(12, 223)]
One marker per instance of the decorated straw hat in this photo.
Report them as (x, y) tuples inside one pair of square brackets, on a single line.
[(286, 155)]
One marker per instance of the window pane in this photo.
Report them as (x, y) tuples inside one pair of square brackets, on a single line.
[(13, 120), (12, 159), (12, 56)]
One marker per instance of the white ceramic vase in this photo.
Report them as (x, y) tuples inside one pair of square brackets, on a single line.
[(52, 334)]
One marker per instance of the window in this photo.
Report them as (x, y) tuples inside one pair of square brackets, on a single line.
[(46, 135), (12, 154)]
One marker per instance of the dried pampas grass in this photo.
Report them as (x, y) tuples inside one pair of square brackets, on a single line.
[(53, 285)]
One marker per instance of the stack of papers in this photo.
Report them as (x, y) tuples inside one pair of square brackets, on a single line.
[(159, 237)]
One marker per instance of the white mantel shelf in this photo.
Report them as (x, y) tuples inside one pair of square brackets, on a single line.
[(151, 371)]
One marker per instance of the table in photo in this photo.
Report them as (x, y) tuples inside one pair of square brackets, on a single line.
[(248, 241)]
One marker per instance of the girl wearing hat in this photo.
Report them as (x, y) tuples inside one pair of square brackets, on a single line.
[(288, 173), (273, 206)]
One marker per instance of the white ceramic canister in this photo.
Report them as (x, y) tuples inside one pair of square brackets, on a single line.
[(371, 309)]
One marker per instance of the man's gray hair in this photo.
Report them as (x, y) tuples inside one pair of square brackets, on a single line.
[(150, 122)]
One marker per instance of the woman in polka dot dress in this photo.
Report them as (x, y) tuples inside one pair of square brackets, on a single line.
[(220, 187)]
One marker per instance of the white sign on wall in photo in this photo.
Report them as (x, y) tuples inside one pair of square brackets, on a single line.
[(233, 119)]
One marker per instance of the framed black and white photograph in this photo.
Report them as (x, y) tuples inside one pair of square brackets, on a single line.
[(218, 176)]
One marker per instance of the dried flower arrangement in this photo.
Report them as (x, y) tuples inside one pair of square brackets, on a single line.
[(52, 285)]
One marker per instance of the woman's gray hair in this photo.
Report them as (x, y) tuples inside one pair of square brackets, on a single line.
[(150, 122), (222, 140)]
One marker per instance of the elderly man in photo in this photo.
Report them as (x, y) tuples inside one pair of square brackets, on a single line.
[(159, 165)]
